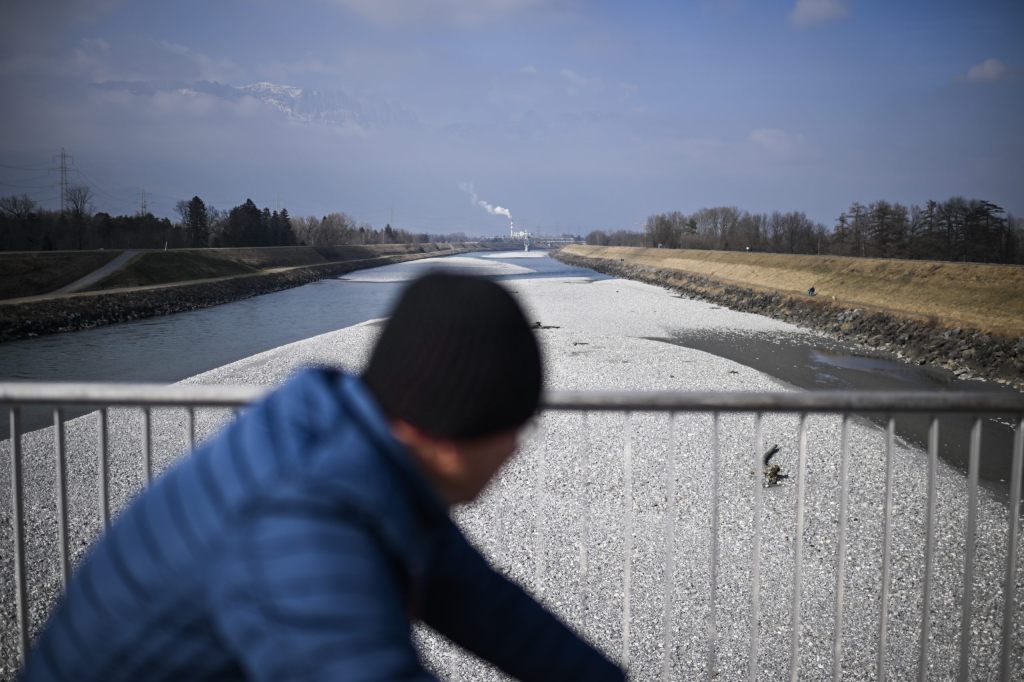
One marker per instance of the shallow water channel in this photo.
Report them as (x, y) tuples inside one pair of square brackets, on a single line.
[(818, 363)]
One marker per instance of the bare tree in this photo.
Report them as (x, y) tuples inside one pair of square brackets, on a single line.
[(79, 200), (19, 207), (303, 227), (181, 208)]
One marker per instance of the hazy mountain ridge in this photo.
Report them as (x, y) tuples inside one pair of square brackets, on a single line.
[(327, 107)]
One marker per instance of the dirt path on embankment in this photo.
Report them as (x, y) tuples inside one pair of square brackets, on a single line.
[(98, 274), (926, 321), (24, 318)]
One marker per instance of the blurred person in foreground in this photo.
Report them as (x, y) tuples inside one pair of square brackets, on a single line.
[(303, 540)]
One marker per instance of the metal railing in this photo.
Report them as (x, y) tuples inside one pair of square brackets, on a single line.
[(104, 397)]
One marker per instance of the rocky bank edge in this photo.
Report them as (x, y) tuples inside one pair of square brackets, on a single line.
[(71, 313), (969, 353)]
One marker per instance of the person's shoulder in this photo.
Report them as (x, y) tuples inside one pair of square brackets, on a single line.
[(309, 393), (314, 377)]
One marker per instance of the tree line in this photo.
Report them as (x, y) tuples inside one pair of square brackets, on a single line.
[(957, 229), (26, 226)]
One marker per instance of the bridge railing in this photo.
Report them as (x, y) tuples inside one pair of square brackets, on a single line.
[(142, 400)]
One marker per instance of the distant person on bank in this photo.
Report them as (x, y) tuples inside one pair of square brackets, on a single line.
[(303, 541)]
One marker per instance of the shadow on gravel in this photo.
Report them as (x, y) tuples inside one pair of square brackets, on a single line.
[(813, 363)]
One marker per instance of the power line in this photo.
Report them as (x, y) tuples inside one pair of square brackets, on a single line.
[(31, 178), (95, 185), (35, 178), (39, 198), (24, 168), (120, 200), (17, 186), (36, 175)]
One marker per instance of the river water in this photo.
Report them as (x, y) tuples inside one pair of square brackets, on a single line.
[(815, 362), (170, 348)]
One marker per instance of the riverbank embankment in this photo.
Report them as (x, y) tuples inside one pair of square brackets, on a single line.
[(966, 317), (30, 273), (160, 283), (46, 273)]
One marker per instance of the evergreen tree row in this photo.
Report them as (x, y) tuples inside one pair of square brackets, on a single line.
[(25, 226)]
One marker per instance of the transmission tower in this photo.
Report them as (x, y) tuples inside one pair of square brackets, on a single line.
[(143, 209), (63, 179)]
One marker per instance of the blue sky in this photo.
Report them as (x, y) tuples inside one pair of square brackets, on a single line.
[(574, 115)]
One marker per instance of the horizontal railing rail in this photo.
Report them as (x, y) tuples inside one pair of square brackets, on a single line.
[(129, 395), (204, 395), (106, 396)]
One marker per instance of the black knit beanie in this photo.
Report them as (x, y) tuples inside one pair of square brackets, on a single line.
[(456, 359)]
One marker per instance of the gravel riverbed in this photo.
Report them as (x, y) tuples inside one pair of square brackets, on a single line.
[(604, 513)]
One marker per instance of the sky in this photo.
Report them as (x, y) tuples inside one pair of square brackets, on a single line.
[(571, 115)]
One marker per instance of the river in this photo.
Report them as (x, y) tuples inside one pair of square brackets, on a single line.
[(169, 348), (584, 509), (173, 347)]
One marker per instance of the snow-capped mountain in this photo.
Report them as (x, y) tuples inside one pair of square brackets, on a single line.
[(327, 107)]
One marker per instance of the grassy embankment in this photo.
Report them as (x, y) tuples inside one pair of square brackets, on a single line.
[(989, 298), (164, 282), (25, 273), (165, 267), (31, 274)]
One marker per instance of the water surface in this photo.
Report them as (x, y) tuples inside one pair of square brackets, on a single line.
[(170, 348), (814, 362)]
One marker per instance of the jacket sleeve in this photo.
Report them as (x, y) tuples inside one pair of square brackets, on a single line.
[(479, 609), (305, 593)]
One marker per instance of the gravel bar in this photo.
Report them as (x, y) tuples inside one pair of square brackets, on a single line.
[(604, 514)]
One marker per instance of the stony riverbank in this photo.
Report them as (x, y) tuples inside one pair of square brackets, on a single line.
[(607, 517), (94, 309), (967, 352)]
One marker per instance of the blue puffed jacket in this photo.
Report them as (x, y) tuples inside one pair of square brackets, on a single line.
[(298, 544)]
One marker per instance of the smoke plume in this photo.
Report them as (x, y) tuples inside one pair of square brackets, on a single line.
[(467, 187)]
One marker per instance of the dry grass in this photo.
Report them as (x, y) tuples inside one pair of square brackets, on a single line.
[(264, 257), (40, 272), (181, 265), (160, 267), (985, 297)]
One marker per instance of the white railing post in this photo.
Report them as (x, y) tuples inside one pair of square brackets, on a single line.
[(18, 501)]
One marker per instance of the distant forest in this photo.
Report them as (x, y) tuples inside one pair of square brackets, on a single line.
[(957, 229), (25, 226)]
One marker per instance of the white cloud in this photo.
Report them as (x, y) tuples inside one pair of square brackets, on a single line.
[(208, 68), (779, 142), (808, 13), (143, 59), (92, 56), (988, 71), (280, 71), (578, 83), (41, 25), (391, 12)]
